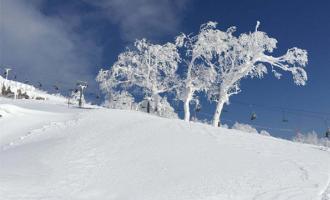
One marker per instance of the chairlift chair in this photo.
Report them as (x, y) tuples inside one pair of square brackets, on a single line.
[(284, 118), (327, 133), (253, 116), (56, 87)]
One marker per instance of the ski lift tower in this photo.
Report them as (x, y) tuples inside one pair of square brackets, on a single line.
[(81, 86), (7, 72)]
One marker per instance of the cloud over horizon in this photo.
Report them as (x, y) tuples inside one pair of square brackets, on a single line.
[(58, 48), (42, 48)]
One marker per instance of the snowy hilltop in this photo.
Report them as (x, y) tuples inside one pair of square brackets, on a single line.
[(51, 152)]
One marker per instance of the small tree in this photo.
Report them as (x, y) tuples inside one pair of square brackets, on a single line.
[(247, 56)]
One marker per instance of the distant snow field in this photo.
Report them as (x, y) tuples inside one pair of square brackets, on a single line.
[(51, 152)]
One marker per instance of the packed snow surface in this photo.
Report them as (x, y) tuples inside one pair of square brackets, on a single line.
[(51, 152)]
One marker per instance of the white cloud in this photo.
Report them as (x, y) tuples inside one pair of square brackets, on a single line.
[(43, 48), (143, 18)]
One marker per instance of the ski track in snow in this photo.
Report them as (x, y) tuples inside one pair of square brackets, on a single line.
[(325, 194), (40, 131)]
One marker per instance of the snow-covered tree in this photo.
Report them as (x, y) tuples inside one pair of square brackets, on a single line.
[(244, 127), (151, 67), (199, 50), (311, 138), (248, 56), (156, 67), (121, 100)]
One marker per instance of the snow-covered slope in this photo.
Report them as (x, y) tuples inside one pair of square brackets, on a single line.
[(33, 93), (101, 154)]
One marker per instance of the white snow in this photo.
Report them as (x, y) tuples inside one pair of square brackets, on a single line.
[(51, 152)]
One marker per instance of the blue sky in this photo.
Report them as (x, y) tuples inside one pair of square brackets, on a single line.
[(61, 41)]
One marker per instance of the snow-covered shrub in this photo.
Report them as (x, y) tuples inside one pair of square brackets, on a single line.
[(244, 127), (265, 133), (74, 97), (249, 129), (161, 108), (324, 142), (166, 110), (311, 138), (121, 100)]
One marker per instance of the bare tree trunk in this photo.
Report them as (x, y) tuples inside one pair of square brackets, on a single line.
[(218, 110), (187, 103), (148, 106), (157, 104)]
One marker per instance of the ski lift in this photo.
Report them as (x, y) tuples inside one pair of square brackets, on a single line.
[(56, 87), (253, 116), (327, 133)]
